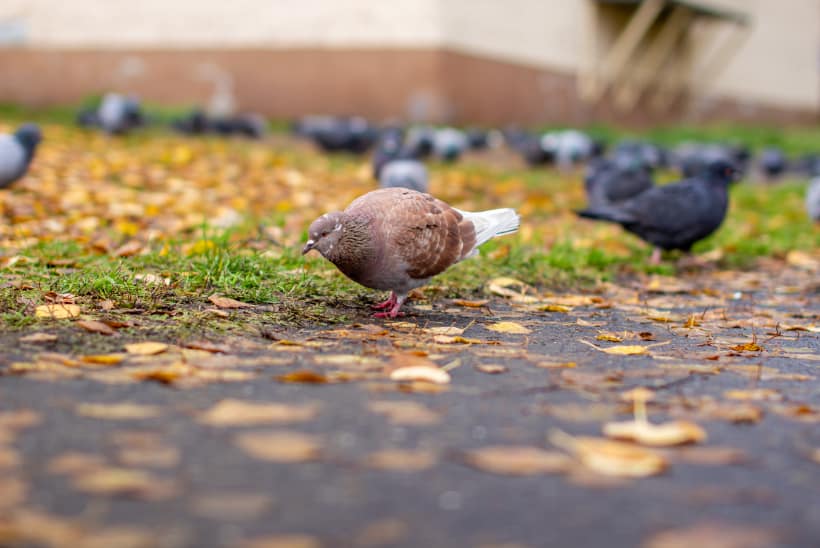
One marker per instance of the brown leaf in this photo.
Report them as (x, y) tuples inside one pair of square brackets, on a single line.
[(283, 541), (128, 249), (280, 446), (241, 413), (35, 338), (123, 482), (514, 460), (96, 327), (208, 346), (303, 376), (231, 506), (401, 460), (404, 412), (714, 535), (117, 411), (227, 302)]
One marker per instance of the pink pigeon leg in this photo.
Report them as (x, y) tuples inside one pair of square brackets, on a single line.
[(656, 256), (386, 304), (393, 312)]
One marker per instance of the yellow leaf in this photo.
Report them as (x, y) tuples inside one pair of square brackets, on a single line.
[(103, 359), (420, 373), (448, 330), (146, 348), (57, 311), (554, 308), (623, 350), (515, 460), (611, 337), (471, 304), (664, 434), (509, 327), (491, 368)]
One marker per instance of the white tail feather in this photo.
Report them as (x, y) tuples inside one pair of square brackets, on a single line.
[(491, 223)]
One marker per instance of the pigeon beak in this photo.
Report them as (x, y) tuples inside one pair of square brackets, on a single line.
[(308, 246)]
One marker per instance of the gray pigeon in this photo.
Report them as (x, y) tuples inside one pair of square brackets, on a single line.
[(410, 174), (674, 216), (397, 239), (813, 200), (117, 114), (449, 144), (16, 152)]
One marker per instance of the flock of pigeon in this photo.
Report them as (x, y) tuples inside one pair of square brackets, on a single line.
[(397, 237)]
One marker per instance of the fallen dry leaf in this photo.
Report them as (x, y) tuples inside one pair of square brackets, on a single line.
[(404, 412), (282, 541), (657, 435), (714, 535), (425, 373), (515, 460), (117, 411), (147, 348), (241, 413), (123, 482), (280, 446), (491, 368), (232, 506), (509, 327), (303, 376), (471, 304), (401, 460), (103, 359), (96, 327), (38, 338), (611, 458), (227, 302), (57, 311)]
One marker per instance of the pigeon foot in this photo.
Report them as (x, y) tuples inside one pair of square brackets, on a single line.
[(656, 257), (398, 300), (389, 303)]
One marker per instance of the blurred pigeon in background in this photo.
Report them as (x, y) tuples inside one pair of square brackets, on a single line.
[(419, 141), (612, 180), (813, 200), (641, 153), (401, 173), (195, 123), (16, 152), (118, 114), (772, 163), (449, 144), (677, 215), (568, 147), (355, 135)]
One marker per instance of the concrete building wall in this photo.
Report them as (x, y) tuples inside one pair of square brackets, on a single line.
[(539, 46)]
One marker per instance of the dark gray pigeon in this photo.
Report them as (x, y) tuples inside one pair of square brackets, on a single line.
[(403, 173), (773, 162), (813, 200), (396, 239), (677, 215), (449, 144), (612, 180), (16, 152)]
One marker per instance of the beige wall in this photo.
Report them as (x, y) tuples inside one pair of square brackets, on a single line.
[(777, 66)]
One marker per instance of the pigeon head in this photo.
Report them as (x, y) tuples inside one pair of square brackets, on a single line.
[(29, 136), (324, 233), (722, 171)]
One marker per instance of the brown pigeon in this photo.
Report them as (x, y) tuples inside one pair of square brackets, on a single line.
[(397, 239)]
